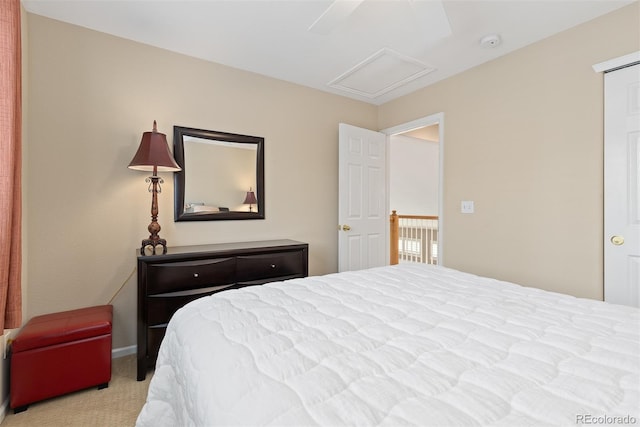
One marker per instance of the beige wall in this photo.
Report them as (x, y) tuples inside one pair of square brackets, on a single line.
[(90, 98), (523, 139)]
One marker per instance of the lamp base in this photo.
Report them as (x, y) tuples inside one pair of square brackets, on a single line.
[(153, 243), (154, 228)]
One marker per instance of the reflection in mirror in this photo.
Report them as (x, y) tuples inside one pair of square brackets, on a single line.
[(219, 173)]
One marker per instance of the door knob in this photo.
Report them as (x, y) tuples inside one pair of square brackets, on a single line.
[(617, 240), (346, 228)]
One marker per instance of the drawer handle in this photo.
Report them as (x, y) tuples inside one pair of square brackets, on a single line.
[(196, 275), (273, 266)]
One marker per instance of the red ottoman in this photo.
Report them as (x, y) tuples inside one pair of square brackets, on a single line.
[(59, 353)]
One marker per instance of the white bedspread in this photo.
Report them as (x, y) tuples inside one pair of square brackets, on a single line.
[(403, 345)]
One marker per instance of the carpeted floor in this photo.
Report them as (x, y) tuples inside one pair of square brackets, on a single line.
[(115, 406)]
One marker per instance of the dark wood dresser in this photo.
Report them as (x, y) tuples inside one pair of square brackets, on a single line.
[(169, 281)]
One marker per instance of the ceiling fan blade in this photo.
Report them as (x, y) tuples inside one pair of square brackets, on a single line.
[(335, 14)]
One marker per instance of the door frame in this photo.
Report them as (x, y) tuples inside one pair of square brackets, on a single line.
[(615, 63), (432, 119)]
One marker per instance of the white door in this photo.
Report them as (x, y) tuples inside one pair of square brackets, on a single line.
[(622, 186), (362, 215)]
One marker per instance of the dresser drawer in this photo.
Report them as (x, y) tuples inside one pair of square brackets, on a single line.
[(270, 266), (160, 307), (171, 277)]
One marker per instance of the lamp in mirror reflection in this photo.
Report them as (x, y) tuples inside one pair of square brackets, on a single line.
[(250, 199), (153, 156)]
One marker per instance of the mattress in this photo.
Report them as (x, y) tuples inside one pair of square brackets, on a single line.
[(410, 344)]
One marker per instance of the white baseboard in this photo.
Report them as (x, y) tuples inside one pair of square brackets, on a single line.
[(5, 409), (123, 351)]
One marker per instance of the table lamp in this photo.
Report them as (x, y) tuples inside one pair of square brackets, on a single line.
[(153, 156)]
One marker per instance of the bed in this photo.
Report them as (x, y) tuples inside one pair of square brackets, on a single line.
[(409, 344)]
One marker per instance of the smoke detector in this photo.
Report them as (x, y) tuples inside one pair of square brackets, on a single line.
[(490, 41)]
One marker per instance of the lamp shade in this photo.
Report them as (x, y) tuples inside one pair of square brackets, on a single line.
[(250, 199), (153, 153)]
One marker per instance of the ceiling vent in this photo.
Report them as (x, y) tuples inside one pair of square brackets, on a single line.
[(380, 73)]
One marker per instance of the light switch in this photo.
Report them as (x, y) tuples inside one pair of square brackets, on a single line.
[(466, 206)]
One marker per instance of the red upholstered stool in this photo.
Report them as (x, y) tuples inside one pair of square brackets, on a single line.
[(59, 353)]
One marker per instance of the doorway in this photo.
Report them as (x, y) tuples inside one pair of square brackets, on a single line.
[(418, 191), (363, 184)]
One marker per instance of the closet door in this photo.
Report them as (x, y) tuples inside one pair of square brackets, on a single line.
[(622, 186)]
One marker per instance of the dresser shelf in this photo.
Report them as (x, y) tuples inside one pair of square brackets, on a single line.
[(168, 281)]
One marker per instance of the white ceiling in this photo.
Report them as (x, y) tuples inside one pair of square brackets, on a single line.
[(371, 50)]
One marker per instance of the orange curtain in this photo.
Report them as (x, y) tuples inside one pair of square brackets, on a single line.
[(10, 165)]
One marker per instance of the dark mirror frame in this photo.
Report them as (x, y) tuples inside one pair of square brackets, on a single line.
[(179, 177)]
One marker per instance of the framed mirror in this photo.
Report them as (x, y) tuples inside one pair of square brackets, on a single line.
[(222, 176)]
